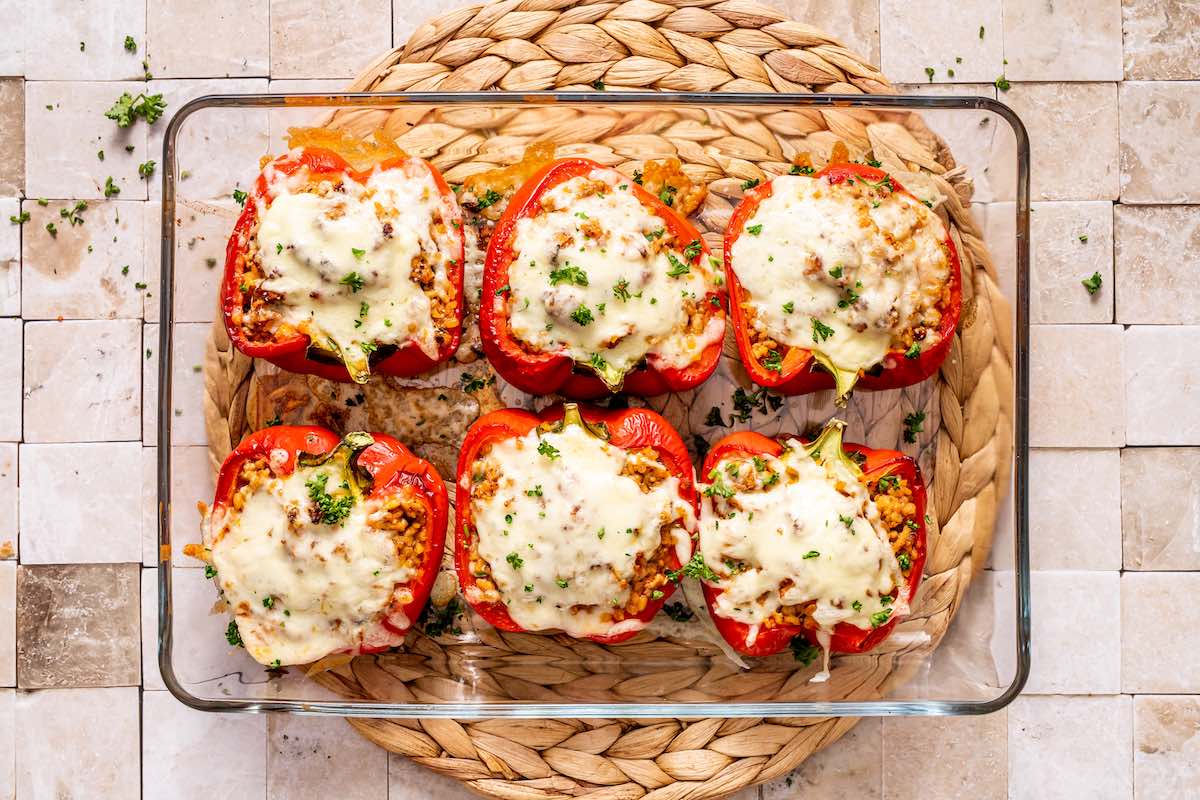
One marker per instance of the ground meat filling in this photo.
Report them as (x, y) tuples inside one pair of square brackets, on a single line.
[(646, 468), (897, 512)]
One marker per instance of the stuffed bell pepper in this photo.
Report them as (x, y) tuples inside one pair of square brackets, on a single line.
[(593, 285), (322, 545), (347, 260), (577, 519), (840, 278), (821, 540)]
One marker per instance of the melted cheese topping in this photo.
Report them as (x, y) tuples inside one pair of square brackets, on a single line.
[(811, 535), (343, 262), (301, 590), (586, 280), (561, 534), (842, 269)]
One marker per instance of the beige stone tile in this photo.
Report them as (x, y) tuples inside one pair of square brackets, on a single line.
[(97, 727), (1166, 746), (1067, 40), (300, 749), (225, 38), (217, 148), (78, 625), (1067, 657), (187, 384), (8, 738), (201, 656), (12, 55), (87, 271), (1160, 507), (1000, 233), (1156, 608), (1055, 114), (908, 48), (1162, 39), (68, 130), (854, 22), (81, 381), (1074, 509), (176, 733), (945, 757), (1070, 747), (202, 231), (12, 136), (192, 480), (68, 506), (8, 627), (8, 501), (149, 361), (1151, 288), (1158, 121), (850, 767), (10, 380), (280, 119), (10, 257), (1077, 399), (1061, 260), (408, 780), (1161, 374), (310, 39), (64, 43)]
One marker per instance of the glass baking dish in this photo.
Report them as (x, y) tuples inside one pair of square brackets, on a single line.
[(214, 143)]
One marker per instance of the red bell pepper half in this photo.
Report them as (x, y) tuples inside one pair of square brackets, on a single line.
[(800, 372), (295, 351), (873, 465), (628, 429), (374, 467), (549, 372)]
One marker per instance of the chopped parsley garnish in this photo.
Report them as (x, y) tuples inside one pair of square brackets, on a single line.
[(548, 450), (582, 315), (239, 197), (667, 194), (269, 601), (714, 418), (820, 331), (754, 230), (873, 163), (913, 424), (233, 635), (718, 487), (696, 568), (130, 44), (210, 571), (750, 184), (789, 307), (597, 362), (358, 252), (677, 267), (812, 554), (353, 280), (850, 299), (1093, 283), (330, 510), (561, 582), (127, 108), (1002, 84), (804, 651), (913, 352), (536, 491), (888, 482), (1083, 238), (678, 612), (929, 73), (598, 85), (856, 605), (490, 198), (847, 521), (637, 177), (656, 595), (503, 290), (437, 621), (799, 170), (515, 561), (568, 274), (905, 561), (19, 219), (773, 361), (692, 251), (621, 290), (880, 617), (836, 272)]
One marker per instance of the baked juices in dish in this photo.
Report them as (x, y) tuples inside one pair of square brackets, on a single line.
[(817, 540), (346, 260), (593, 285), (320, 545), (840, 278), (576, 519)]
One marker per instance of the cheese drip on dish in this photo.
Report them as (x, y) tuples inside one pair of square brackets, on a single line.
[(359, 266), (300, 590), (569, 531), (788, 531), (597, 276), (848, 270)]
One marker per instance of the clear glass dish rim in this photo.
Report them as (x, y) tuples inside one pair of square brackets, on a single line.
[(472, 710)]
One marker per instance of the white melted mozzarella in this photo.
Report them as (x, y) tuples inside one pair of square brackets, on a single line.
[(343, 261), (840, 269), (828, 543), (326, 587), (561, 533), (611, 297)]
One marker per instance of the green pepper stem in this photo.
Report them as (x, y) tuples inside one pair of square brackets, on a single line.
[(844, 380), (828, 444), (572, 416), (345, 457)]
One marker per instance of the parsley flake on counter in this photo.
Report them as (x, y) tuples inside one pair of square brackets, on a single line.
[(130, 44), (110, 188), (128, 108), (19, 219), (678, 612), (233, 635), (1083, 238), (714, 418), (1002, 84), (913, 424), (146, 169), (1093, 283), (804, 651), (239, 197), (437, 621), (929, 73)]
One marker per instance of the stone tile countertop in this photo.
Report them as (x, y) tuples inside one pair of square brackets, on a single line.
[(1110, 93)]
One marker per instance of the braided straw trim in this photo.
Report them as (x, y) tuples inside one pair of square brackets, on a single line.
[(692, 45)]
